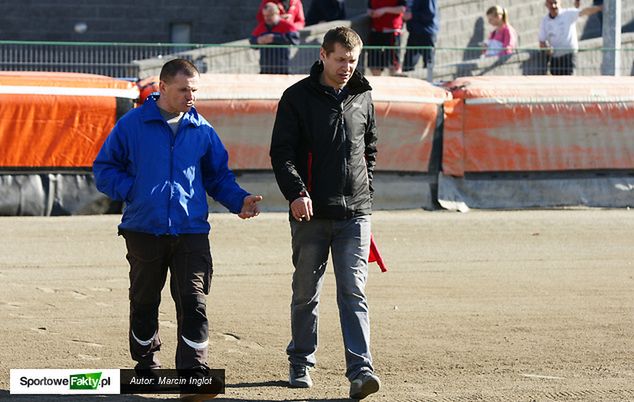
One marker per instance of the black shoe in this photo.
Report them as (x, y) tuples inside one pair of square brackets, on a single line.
[(364, 384)]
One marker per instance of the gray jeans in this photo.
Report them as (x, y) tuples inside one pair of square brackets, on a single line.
[(349, 241)]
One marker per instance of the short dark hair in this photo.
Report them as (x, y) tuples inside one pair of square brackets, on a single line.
[(344, 36), (173, 67)]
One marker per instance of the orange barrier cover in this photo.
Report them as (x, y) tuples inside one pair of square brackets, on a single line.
[(56, 119), (242, 110), (538, 123)]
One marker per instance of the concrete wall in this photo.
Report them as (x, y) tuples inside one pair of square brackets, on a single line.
[(239, 57), (462, 21), (211, 21), (125, 21), (462, 25), (529, 62)]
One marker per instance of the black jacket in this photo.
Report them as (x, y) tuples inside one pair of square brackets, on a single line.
[(326, 147)]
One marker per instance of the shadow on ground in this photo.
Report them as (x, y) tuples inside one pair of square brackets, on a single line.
[(6, 396)]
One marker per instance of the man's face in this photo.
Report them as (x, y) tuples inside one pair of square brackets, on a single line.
[(553, 7), (339, 65), (178, 94), (271, 18)]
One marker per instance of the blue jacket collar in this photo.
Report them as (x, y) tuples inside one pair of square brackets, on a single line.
[(151, 112)]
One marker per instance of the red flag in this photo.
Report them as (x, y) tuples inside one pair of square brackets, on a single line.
[(375, 255)]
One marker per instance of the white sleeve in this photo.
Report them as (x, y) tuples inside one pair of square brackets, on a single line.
[(573, 14)]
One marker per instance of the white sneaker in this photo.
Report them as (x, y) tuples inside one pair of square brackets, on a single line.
[(298, 376)]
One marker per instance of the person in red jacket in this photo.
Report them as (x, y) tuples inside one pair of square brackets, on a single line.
[(290, 10), (385, 30), (274, 31)]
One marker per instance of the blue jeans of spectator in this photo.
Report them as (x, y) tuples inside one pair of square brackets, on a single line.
[(349, 242)]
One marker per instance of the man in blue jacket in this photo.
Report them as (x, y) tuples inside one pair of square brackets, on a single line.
[(162, 160)]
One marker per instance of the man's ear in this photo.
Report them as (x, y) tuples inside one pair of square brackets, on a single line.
[(322, 54)]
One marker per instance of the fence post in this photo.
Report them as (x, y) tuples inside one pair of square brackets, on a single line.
[(430, 66), (611, 64)]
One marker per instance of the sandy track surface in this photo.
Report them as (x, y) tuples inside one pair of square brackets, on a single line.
[(508, 306)]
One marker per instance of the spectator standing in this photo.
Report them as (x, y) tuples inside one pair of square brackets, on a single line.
[(558, 36), (163, 159), (423, 25), (325, 10), (385, 30), (323, 153), (290, 10), (503, 40), (273, 30)]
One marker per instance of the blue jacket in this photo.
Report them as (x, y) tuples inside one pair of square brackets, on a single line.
[(425, 19), (163, 177)]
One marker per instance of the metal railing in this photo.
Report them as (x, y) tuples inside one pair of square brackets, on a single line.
[(133, 60)]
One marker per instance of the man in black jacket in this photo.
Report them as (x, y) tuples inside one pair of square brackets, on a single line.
[(323, 154)]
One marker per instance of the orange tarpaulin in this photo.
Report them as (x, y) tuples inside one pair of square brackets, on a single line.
[(57, 119), (538, 123), (242, 109)]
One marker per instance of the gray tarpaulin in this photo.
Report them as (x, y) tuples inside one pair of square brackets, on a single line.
[(609, 190), (55, 193), (44, 194)]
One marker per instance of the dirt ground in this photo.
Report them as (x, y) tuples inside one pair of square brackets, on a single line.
[(482, 306)]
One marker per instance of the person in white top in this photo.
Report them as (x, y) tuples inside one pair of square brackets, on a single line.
[(558, 35)]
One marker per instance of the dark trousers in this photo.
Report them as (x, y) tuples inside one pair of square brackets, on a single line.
[(380, 58), (413, 55), (563, 65), (188, 258), (274, 60)]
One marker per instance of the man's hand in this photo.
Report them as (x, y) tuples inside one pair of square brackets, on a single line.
[(250, 206), (302, 208), (265, 39)]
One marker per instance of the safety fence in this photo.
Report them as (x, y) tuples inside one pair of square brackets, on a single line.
[(134, 60), (483, 142)]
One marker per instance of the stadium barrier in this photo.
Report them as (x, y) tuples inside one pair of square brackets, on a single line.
[(479, 142), (51, 127), (131, 60), (518, 142), (408, 111)]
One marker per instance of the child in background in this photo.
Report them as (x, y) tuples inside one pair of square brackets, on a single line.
[(503, 40)]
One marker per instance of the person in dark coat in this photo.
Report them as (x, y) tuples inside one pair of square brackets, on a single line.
[(325, 10), (323, 153), (423, 25)]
